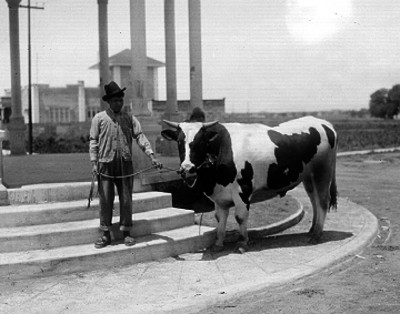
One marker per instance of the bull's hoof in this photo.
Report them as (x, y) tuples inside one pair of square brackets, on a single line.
[(217, 248), (242, 248)]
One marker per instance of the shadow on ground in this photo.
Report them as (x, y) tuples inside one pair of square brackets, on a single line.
[(277, 241)]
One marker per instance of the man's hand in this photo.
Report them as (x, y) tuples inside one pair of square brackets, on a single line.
[(94, 167), (155, 162)]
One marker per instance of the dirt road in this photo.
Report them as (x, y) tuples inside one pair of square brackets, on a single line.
[(368, 283)]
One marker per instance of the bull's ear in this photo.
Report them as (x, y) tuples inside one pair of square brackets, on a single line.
[(170, 135)]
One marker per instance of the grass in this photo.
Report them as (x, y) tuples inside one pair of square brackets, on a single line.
[(53, 168)]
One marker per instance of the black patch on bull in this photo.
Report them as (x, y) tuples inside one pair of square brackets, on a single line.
[(330, 134), (291, 152), (206, 179), (223, 171), (246, 183), (179, 137)]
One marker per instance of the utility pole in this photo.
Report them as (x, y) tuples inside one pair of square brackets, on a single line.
[(29, 7)]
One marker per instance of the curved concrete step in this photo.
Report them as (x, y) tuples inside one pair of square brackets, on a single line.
[(85, 257), (48, 213), (48, 236), (49, 192)]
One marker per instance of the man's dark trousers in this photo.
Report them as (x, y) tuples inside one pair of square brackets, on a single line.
[(117, 167)]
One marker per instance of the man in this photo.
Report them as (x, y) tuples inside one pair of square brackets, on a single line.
[(111, 135)]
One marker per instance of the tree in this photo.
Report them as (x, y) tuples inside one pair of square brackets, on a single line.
[(394, 100), (377, 103), (385, 103)]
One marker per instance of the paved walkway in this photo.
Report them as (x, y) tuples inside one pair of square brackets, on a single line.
[(190, 282)]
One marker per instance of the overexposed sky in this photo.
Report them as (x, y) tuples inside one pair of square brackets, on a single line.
[(261, 55)]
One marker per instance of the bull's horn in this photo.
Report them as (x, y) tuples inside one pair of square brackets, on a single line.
[(209, 124), (174, 125)]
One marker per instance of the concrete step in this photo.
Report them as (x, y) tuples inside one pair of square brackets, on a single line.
[(50, 192), (49, 213), (48, 229), (50, 236), (84, 257)]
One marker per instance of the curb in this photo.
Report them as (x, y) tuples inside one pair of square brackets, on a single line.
[(369, 151)]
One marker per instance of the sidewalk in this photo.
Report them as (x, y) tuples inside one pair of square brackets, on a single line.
[(191, 282)]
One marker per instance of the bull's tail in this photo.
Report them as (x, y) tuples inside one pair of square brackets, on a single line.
[(333, 188), (333, 193)]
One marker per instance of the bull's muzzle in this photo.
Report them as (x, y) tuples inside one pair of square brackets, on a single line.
[(187, 168), (188, 175)]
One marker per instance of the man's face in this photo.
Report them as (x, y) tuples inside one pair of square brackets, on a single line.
[(116, 103)]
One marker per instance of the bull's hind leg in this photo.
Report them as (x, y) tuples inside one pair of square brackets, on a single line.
[(317, 189)]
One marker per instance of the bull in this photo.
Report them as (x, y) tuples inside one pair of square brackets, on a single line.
[(237, 164)]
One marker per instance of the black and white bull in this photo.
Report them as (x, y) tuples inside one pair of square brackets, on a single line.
[(238, 164)]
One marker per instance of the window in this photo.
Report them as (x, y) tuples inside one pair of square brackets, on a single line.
[(59, 115), (92, 111)]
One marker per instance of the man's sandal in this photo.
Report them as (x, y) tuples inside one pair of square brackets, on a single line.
[(102, 242)]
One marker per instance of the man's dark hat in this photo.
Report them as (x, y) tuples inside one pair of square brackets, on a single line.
[(113, 90)]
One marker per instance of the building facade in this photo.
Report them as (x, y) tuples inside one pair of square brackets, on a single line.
[(120, 72), (76, 102)]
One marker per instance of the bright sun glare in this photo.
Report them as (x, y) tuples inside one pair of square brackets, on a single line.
[(316, 20)]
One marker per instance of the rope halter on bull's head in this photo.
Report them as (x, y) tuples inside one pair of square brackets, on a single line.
[(210, 159)]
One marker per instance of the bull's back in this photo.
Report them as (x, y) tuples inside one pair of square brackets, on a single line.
[(250, 142), (277, 157)]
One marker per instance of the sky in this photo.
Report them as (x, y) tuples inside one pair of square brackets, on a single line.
[(260, 55)]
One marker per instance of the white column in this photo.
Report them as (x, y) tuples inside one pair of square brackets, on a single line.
[(35, 104), (103, 49), (116, 75), (16, 127), (170, 56), (139, 58), (196, 76), (81, 102)]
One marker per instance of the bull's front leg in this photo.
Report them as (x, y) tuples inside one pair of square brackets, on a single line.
[(221, 215), (242, 217)]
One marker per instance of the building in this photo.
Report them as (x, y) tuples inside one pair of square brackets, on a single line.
[(120, 72), (214, 109), (73, 103), (76, 102)]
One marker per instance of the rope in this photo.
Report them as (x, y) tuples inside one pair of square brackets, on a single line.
[(133, 174), (125, 176), (201, 218)]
